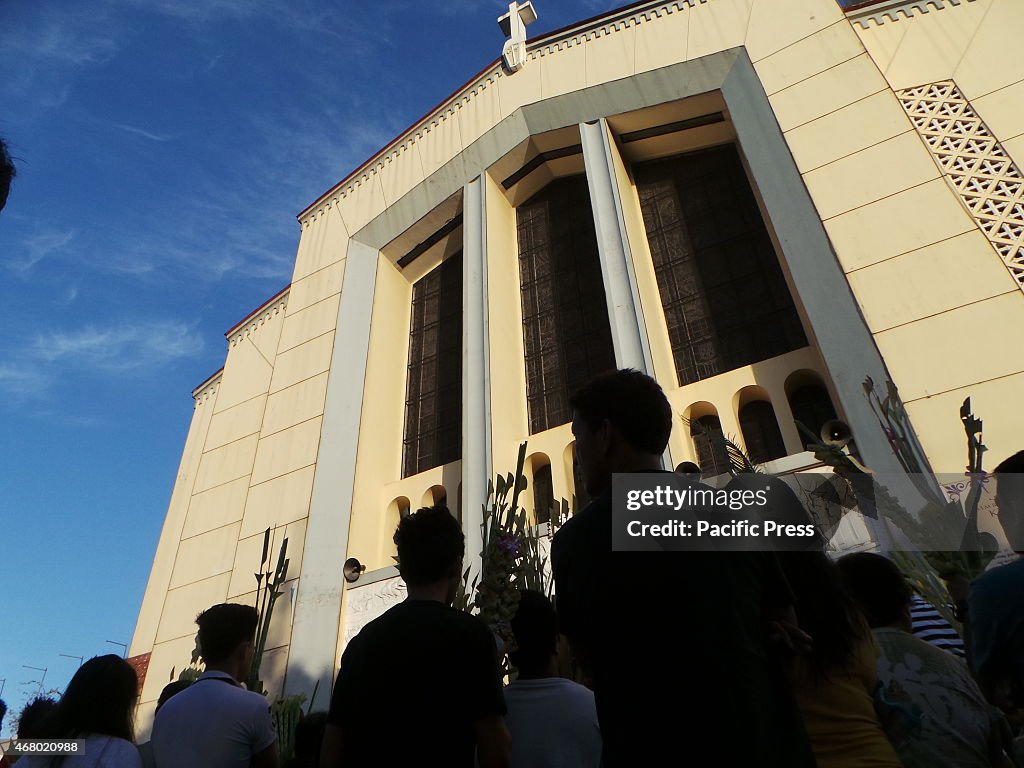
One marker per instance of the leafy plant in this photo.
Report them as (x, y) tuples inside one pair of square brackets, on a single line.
[(286, 714), (511, 558)]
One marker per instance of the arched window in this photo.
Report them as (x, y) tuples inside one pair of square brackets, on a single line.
[(812, 407), (579, 487), (543, 494), (711, 455), (761, 432), (435, 495)]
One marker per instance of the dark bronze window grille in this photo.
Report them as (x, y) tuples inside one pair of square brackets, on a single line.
[(543, 494), (579, 487), (707, 440), (761, 432), (725, 299), (566, 333), (433, 401), (812, 407)]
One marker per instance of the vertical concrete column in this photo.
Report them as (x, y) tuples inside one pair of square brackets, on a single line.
[(321, 581), (629, 333), (476, 386), (604, 167)]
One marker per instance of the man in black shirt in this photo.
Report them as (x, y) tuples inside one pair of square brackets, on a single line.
[(420, 685), (676, 643)]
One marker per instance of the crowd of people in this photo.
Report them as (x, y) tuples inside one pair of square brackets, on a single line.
[(735, 659)]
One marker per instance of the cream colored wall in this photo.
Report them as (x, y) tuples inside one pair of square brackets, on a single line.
[(509, 416), (204, 549), (932, 288), (379, 460), (174, 522)]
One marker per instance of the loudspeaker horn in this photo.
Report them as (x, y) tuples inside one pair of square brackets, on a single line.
[(353, 569), (836, 433)]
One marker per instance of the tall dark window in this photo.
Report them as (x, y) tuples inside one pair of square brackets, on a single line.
[(761, 432), (565, 318), (543, 494), (812, 407), (711, 454), (579, 487), (725, 299), (433, 401)]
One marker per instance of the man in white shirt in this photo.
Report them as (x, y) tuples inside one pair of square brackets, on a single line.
[(553, 721), (216, 723)]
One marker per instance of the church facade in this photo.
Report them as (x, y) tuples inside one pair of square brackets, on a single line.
[(760, 203)]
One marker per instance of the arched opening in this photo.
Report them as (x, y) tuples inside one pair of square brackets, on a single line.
[(436, 494), (579, 490), (708, 438), (397, 509), (543, 488), (761, 433), (810, 402)]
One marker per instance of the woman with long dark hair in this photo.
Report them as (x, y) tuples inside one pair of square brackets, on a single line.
[(98, 707), (836, 680)]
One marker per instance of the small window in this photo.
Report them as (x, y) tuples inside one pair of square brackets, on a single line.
[(761, 432), (543, 494), (707, 441), (579, 487), (811, 407)]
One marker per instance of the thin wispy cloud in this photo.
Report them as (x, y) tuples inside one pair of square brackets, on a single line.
[(35, 370), (23, 379), (120, 348), (38, 247), (161, 137)]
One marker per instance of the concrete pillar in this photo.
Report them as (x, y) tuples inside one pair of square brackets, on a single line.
[(477, 466), (629, 333), (321, 582)]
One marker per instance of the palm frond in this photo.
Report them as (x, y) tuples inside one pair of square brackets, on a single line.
[(739, 460)]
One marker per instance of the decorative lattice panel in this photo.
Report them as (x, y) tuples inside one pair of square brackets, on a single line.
[(988, 181)]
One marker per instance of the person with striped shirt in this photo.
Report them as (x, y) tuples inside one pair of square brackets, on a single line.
[(930, 625)]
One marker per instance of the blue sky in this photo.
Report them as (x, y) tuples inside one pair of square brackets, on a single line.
[(163, 149)]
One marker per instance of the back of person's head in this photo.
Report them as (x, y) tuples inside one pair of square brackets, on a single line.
[(430, 542), (878, 586), (223, 628), (33, 717), (99, 699), (1010, 498), (3, 710), (825, 610), (170, 691), (309, 735), (632, 402), (535, 629), (7, 174)]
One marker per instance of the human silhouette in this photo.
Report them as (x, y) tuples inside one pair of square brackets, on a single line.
[(553, 721), (436, 664), (676, 642), (215, 722), (98, 706)]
